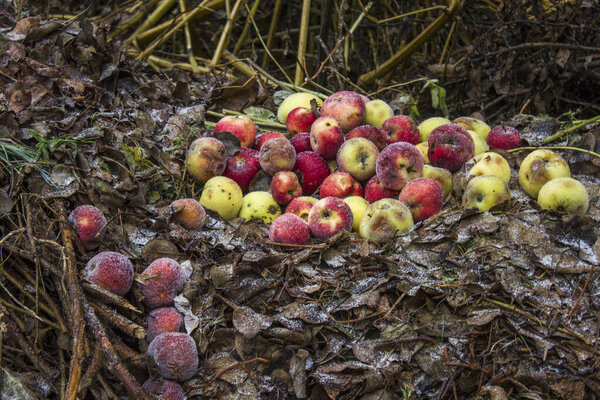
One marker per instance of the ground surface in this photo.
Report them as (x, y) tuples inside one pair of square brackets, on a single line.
[(468, 305)]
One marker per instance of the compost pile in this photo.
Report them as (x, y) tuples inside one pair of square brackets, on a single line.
[(467, 305)]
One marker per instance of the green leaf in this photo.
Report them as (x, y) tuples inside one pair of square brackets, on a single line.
[(280, 95), (260, 113)]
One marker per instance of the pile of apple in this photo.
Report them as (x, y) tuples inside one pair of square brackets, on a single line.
[(373, 172)]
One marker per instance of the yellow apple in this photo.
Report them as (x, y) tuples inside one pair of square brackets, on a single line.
[(480, 144), (491, 164), (539, 167), (259, 205), (357, 205), (474, 124), (565, 195), (485, 191), (423, 147), (385, 219), (430, 124), (376, 112), (222, 195), (441, 176), (294, 101)]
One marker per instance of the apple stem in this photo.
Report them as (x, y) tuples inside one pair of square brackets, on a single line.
[(575, 127), (554, 148)]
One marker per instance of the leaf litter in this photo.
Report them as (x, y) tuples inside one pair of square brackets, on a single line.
[(502, 303)]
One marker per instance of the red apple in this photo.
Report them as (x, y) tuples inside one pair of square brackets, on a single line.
[(277, 155), (346, 107), (450, 146), (399, 163), (242, 167), (371, 133), (313, 170), (326, 137), (301, 142), (90, 224), (329, 216), (289, 228), (374, 190), (205, 158), (401, 129), (340, 184), (301, 206), (264, 137), (504, 137), (424, 198), (285, 187), (358, 157), (241, 126), (300, 119)]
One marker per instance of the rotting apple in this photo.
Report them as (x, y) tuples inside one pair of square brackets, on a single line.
[(241, 126), (277, 155), (222, 195), (259, 206), (384, 220), (206, 158), (539, 167), (397, 164), (565, 195)]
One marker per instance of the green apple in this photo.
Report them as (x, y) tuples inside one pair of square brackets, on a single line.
[(491, 163), (222, 195), (294, 101), (357, 205), (480, 144), (259, 205), (539, 167), (474, 124), (441, 176), (430, 124), (565, 195), (376, 112), (385, 219), (485, 191)]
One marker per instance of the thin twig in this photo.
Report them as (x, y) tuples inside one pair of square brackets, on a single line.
[(129, 382), (75, 294)]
